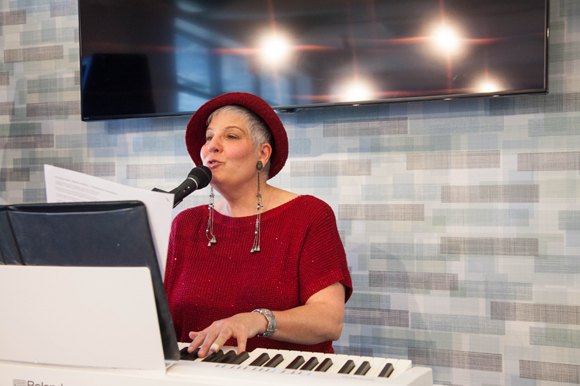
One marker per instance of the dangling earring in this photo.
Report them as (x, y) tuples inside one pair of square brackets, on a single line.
[(209, 231), (256, 246)]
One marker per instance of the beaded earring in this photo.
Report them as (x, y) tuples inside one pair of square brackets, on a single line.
[(256, 246), (209, 231)]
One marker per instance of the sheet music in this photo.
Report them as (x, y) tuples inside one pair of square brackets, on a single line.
[(64, 185)]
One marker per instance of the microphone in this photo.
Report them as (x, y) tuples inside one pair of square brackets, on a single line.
[(198, 178)]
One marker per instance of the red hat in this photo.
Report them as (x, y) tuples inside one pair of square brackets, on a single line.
[(195, 133)]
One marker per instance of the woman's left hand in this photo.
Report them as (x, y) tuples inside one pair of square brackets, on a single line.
[(240, 326)]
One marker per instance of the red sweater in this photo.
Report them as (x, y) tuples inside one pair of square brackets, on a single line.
[(301, 254)]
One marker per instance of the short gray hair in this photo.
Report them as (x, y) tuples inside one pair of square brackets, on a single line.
[(258, 129)]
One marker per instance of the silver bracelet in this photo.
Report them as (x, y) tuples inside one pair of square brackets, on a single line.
[(272, 323)]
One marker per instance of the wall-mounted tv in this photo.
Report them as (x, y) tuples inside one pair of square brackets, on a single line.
[(167, 57)]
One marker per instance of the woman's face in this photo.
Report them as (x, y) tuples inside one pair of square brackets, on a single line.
[(229, 151)]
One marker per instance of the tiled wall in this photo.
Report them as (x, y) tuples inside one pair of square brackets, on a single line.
[(461, 219)]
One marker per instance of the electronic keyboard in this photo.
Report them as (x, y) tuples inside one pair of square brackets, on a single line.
[(226, 367)]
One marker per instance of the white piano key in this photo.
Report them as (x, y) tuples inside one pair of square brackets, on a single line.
[(402, 366), (380, 366)]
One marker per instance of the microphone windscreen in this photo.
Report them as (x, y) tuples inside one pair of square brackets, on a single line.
[(202, 175)]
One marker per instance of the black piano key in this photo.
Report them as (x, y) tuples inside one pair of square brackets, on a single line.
[(312, 362), (244, 355), (260, 360), (363, 368), (183, 352), (296, 363), (227, 357), (347, 368), (190, 356), (325, 365), (278, 358), (387, 370), (214, 357)]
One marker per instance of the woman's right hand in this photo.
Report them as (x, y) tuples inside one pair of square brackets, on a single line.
[(240, 326)]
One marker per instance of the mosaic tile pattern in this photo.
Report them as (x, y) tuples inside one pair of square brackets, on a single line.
[(460, 219)]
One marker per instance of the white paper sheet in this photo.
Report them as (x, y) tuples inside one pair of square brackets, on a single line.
[(64, 185)]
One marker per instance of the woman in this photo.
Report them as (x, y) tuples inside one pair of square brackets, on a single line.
[(262, 267)]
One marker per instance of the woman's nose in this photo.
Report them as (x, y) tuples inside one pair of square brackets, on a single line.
[(213, 146)]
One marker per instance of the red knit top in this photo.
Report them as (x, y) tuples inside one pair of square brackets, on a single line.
[(301, 254)]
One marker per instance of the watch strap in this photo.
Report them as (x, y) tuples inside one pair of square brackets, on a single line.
[(272, 323)]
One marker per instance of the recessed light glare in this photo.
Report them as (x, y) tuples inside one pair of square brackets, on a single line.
[(275, 49), (488, 85), (356, 91), (446, 39)]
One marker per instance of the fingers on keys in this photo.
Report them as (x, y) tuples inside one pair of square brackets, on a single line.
[(210, 340)]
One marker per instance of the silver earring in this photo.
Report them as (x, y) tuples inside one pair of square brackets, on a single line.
[(256, 246), (209, 231)]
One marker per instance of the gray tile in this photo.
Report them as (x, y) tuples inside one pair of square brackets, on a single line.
[(33, 54), (374, 317), (456, 359), (491, 193), (330, 168), (549, 161), (12, 18), (388, 212), (413, 280), (51, 109), (490, 246), (464, 324), (14, 174), (454, 160), (27, 142), (548, 371), (365, 127), (542, 313)]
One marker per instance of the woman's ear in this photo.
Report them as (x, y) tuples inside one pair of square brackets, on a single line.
[(265, 152)]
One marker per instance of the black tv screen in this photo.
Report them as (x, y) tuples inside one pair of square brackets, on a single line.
[(167, 57)]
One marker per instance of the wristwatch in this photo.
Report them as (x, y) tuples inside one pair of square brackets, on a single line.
[(272, 324)]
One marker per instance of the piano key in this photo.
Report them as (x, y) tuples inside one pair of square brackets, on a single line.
[(325, 365), (253, 355), (338, 361), (183, 352), (310, 364), (401, 366), (363, 368), (190, 356), (259, 361), (240, 358), (227, 357), (387, 370), (296, 363), (278, 358), (290, 356), (376, 365), (347, 367), (214, 357)]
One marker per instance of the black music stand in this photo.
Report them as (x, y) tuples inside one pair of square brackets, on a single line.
[(95, 234), (8, 250)]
